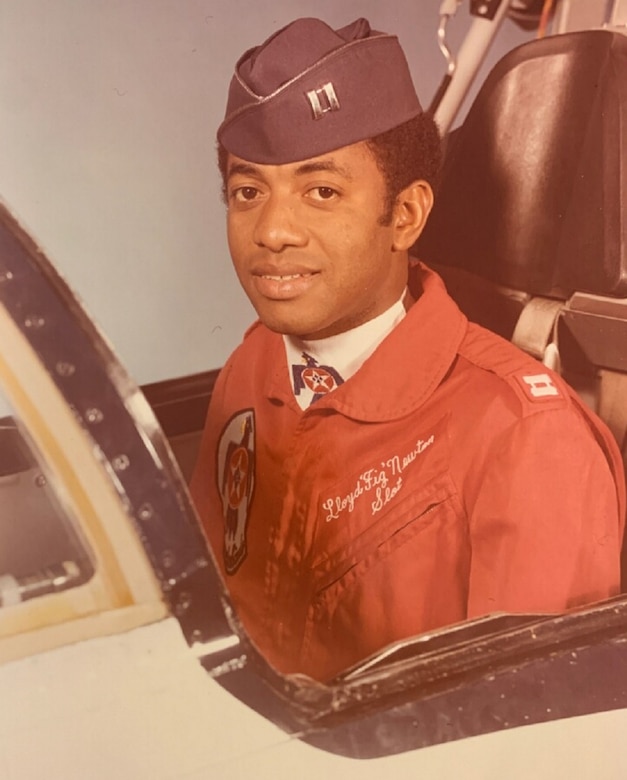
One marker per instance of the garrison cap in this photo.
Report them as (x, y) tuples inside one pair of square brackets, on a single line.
[(309, 89)]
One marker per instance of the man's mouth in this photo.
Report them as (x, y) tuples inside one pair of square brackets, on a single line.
[(285, 277), (284, 287)]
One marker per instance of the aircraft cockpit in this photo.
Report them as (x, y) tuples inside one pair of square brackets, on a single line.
[(111, 605)]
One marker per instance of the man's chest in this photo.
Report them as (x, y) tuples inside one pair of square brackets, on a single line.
[(334, 483)]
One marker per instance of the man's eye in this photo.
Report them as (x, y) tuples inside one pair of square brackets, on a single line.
[(245, 194), (323, 193)]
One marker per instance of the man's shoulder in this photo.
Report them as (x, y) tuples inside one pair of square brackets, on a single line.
[(254, 357), (257, 340), (512, 371), (256, 330)]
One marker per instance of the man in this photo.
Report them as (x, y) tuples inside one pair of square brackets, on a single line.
[(373, 466)]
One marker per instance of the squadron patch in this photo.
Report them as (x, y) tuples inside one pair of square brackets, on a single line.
[(235, 458)]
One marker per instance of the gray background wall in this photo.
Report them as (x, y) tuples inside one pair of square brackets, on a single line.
[(108, 110)]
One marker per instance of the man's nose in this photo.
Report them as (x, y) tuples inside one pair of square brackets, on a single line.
[(278, 225)]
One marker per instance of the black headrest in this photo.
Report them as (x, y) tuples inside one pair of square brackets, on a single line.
[(534, 186)]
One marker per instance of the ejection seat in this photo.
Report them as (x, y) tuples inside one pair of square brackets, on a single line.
[(529, 228)]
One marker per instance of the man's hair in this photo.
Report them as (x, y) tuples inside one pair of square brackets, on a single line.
[(406, 153), (409, 152)]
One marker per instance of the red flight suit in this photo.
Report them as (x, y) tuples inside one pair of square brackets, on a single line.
[(451, 477)]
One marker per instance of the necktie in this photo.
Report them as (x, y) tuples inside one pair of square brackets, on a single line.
[(310, 378)]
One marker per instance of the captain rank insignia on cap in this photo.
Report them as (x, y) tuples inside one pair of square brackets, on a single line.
[(323, 100)]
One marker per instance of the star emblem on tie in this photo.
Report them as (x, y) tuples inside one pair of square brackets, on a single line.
[(319, 380)]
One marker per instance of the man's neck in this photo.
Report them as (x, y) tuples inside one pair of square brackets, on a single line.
[(345, 352)]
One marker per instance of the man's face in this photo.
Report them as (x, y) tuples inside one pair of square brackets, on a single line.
[(308, 244)]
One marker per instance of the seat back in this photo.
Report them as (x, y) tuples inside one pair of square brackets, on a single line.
[(534, 186), (529, 227)]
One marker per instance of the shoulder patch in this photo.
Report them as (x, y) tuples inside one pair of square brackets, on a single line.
[(538, 386), (235, 461), (539, 390)]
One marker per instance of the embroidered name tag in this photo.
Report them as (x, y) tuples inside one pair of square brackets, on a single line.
[(375, 487)]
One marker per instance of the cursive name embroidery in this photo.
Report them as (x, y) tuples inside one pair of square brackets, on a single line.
[(397, 465), (385, 480), (385, 495)]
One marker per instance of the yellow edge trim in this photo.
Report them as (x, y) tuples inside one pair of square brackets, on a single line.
[(81, 629), (123, 572)]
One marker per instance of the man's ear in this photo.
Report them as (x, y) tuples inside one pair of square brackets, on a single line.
[(411, 210)]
